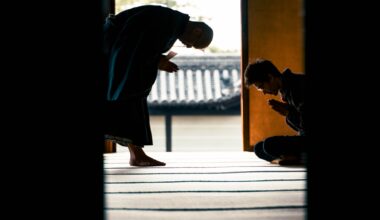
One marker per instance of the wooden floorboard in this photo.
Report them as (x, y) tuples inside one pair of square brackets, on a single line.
[(203, 185)]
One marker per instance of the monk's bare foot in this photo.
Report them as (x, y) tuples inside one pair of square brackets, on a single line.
[(276, 161), (145, 161), (139, 158)]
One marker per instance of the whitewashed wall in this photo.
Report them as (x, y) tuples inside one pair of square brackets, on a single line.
[(197, 133)]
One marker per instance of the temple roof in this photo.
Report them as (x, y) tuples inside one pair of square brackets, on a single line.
[(205, 82)]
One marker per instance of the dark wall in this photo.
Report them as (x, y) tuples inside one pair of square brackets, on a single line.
[(341, 59), (51, 117)]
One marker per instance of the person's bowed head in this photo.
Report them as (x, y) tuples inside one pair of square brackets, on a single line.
[(197, 34)]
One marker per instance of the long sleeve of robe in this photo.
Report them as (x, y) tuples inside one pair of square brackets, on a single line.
[(135, 40)]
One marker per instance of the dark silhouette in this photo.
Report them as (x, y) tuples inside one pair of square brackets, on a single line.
[(265, 77), (135, 41)]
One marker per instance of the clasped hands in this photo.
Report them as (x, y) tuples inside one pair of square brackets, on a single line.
[(281, 107), (165, 63)]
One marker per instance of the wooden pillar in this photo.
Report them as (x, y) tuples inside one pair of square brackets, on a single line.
[(244, 62), (168, 132), (272, 29), (109, 147)]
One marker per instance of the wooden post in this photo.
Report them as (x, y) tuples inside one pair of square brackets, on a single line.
[(168, 132), (109, 147), (243, 64)]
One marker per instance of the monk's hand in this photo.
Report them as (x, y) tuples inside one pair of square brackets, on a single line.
[(280, 107), (167, 65)]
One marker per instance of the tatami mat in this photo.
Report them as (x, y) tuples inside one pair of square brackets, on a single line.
[(203, 185)]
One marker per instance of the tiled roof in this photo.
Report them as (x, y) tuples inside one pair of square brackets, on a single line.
[(205, 82)]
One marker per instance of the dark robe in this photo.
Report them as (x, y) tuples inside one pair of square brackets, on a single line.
[(293, 93), (135, 40)]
